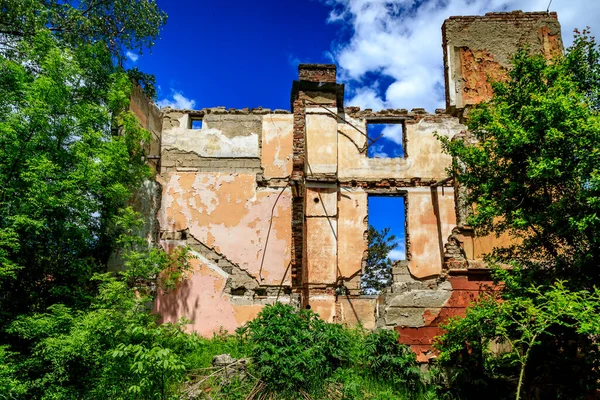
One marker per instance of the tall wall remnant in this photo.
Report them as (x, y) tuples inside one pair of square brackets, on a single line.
[(479, 49), (273, 204)]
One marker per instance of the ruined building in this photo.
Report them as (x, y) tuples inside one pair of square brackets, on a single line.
[(274, 203)]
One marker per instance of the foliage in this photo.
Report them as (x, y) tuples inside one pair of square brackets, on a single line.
[(71, 152), (10, 386), (63, 175), (294, 349), (113, 349), (146, 81), (531, 169), (520, 324), (387, 360), (378, 268), (120, 25)]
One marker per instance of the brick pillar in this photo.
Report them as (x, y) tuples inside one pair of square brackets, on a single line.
[(314, 81)]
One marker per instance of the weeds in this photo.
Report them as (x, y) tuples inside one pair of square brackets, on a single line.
[(293, 354)]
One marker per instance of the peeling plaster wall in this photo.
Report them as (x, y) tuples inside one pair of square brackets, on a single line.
[(478, 49), (352, 229), (221, 141), (215, 200), (321, 142), (302, 180), (227, 212), (203, 299), (424, 160), (431, 218), (277, 143)]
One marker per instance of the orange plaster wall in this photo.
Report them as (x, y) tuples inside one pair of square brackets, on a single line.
[(321, 142), (352, 225), (321, 201), (277, 142), (324, 305), (476, 247), (357, 311), (321, 250), (200, 299), (428, 228), (227, 212)]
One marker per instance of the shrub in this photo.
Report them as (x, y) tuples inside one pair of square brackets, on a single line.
[(386, 359), (294, 350)]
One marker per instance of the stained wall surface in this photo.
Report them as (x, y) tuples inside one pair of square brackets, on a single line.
[(478, 50), (217, 196)]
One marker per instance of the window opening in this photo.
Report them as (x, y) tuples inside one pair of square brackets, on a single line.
[(195, 123), (386, 140), (386, 241)]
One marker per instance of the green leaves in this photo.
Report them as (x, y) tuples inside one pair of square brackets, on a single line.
[(63, 173), (294, 351), (119, 24), (531, 170)]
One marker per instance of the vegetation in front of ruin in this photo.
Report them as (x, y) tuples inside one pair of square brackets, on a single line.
[(533, 171), (293, 354)]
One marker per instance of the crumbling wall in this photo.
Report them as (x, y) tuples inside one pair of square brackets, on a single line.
[(478, 49), (274, 204), (225, 196), (424, 160), (146, 198)]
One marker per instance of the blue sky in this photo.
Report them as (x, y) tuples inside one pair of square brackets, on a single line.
[(245, 53), (237, 53)]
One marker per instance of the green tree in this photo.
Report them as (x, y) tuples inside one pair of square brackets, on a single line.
[(120, 25), (377, 274), (64, 174), (532, 169), (70, 152)]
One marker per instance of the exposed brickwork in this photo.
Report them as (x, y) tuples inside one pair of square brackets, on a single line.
[(317, 72), (298, 158), (465, 291)]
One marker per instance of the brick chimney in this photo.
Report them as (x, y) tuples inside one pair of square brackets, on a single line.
[(317, 72)]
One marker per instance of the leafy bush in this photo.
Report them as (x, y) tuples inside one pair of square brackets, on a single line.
[(387, 360), (113, 350), (294, 349)]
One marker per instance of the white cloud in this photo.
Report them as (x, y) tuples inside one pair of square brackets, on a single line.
[(132, 56), (177, 101), (393, 132), (399, 253), (377, 151), (401, 39)]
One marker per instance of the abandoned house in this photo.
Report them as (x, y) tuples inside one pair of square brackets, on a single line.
[(274, 204)]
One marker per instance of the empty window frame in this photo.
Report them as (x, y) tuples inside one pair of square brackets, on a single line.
[(387, 241), (386, 139), (195, 123)]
